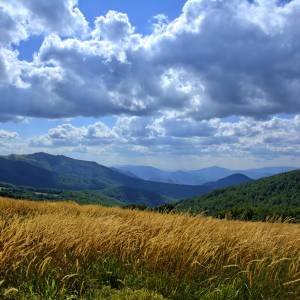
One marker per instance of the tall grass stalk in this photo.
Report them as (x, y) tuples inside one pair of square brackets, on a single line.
[(61, 250)]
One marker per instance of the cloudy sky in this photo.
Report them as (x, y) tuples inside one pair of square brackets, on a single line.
[(173, 83)]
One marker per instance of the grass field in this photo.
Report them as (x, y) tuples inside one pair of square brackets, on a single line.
[(67, 251)]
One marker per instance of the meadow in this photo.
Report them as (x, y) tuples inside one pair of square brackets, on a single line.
[(63, 250)]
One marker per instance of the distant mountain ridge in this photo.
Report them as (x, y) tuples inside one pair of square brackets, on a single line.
[(197, 177), (42, 170), (231, 180)]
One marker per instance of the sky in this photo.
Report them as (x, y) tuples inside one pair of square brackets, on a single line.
[(167, 83)]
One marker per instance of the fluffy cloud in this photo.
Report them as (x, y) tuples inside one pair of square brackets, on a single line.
[(11, 30), (69, 135), (217, 59), (60, 16), (270, 138), (242, 62), (7, 135), (21, 19), (114, 27)]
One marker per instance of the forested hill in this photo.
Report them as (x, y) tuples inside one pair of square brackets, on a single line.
[(278, 195), (42, 170)]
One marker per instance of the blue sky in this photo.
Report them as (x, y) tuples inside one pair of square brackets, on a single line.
[(139, 12), (140, 15), (196, 82)]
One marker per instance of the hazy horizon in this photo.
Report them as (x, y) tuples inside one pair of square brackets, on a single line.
[(156, 167)]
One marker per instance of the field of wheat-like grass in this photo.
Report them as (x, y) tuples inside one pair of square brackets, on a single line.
[(67, 251)]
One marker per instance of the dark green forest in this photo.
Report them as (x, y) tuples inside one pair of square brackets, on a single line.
[(272, 197)]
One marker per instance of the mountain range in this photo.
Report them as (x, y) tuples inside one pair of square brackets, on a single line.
[(41, 176), (42, 170), (196, 177)]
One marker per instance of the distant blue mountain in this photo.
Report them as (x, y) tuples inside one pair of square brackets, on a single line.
[(265, 172), (197, 177), (231, 180)]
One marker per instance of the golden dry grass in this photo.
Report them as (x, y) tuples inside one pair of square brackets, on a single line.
[(36, 236)]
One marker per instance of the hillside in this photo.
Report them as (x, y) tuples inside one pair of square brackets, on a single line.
[(231, 180), (67, 251), (42, 194), (278, 195), (42, 170), (266, 172), (22, 173), (45, 171)]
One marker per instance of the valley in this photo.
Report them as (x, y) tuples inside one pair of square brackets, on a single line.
[(42, 176)]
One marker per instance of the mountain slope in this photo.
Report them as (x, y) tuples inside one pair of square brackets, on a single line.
[(42, 170), (135, 196), (67, 174), (42, 194), (22, 173), (278, 195), (265, 172), (72, 174), (231, 180)]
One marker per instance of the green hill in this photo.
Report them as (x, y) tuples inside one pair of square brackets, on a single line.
[(42, 194), (42, 170), (22, 173), (276, 196)]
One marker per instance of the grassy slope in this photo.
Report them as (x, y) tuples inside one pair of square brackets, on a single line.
[(278, 195), (61, 250)]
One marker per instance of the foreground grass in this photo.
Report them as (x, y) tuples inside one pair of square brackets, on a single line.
[(67, 251)]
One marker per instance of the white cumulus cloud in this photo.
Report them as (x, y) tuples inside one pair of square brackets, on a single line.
[(217, 59)]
